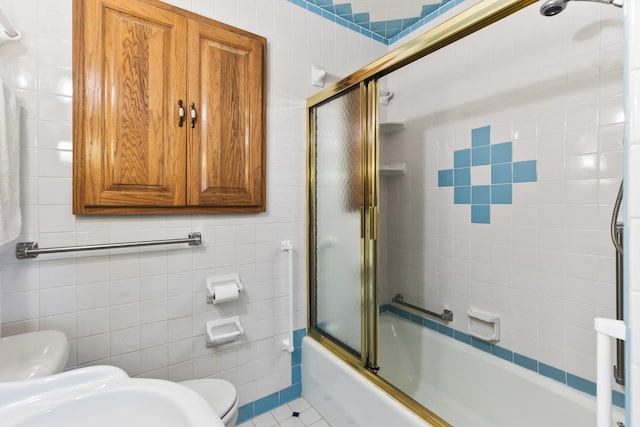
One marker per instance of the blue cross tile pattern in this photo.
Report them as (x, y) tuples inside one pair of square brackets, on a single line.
[(504, 173), (386, 32)]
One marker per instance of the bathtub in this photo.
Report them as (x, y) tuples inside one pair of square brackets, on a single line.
[(465, 386)]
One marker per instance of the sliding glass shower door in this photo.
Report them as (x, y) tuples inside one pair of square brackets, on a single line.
[(339, 208)]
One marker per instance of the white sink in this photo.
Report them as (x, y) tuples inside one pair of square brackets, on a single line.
[(33, 355), (102, 396)]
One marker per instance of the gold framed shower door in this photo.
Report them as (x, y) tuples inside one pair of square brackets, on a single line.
[(472, 19)]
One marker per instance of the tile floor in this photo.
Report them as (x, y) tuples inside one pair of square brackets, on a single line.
[(282, 416)]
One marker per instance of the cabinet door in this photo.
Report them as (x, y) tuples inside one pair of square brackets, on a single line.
[(131, 63), (226, 150)]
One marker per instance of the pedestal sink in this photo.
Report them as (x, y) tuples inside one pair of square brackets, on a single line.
[(32, 355), (102, 396)]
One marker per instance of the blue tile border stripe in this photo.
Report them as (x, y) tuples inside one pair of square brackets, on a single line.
[(272, 401), (386, 32), (571, 380)]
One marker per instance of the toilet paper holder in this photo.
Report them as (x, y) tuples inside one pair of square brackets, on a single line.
[(222, 280), (224, 330)]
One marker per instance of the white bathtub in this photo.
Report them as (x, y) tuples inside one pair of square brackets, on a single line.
[(465, 386)]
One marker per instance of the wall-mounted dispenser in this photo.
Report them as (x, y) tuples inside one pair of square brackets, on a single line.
[(224, 288), (224, 330), (484, 325)]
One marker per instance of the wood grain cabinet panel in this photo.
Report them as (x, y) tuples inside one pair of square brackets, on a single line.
[(169, 111)]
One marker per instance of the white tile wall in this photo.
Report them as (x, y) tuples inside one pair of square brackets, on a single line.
[(545, 263), (145, 310)]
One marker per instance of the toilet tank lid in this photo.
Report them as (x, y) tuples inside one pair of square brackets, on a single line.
[(220, 394)]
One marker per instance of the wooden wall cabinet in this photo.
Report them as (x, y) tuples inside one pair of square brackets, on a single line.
[(169, 111)]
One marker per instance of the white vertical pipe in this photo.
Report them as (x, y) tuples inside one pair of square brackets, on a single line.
[(287, 344), (606, 330)]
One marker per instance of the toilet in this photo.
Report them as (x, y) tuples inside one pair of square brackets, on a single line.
[(220, 394)]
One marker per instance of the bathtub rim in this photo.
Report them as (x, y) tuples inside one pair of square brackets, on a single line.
[(389, 389)]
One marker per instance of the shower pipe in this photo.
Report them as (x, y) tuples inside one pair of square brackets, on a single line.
[(617, 237), (31, 250), (446, 315)]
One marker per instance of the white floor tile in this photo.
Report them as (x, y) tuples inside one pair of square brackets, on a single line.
[(299, 404), (292, 422), (282, 416), (281, 413), (309, 416), (265, 420)]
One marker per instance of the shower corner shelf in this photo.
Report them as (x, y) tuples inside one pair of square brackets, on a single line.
[(393, 169), (391, 127)]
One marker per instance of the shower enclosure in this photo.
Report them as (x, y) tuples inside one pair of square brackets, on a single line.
[(471, 203)]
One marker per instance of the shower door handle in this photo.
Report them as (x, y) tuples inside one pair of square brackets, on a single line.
[(369, 222)]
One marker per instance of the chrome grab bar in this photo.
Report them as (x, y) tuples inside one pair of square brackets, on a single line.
[(31, 249), (446, 315)]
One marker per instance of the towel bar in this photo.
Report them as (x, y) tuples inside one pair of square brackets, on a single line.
[(31, 249)]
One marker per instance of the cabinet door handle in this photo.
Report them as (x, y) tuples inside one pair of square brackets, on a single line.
[(180, 113), (194, 115)]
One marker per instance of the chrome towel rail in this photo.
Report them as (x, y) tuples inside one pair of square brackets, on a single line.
[(446, 315), (31, 249)]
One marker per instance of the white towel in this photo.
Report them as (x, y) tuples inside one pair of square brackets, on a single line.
[(10, 218)]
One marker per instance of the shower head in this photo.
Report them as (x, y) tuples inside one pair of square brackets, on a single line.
[(554, 7)]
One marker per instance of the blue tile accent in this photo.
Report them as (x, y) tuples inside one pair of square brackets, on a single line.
[(501, 174), (525, 171), (404, 313), (481, 156), (481, 345), (416, 319), (504, 173), (618, 399), (481, 194), (502, 153), (462, 195), (445, 178), (387, 32), (290, 393), (297, 337), (266, 404), (581, 384), (296, 357), (383, 308), (462, 158), (553, 373), (480, 136), (461, 336), (393, 309), (480, 214), (296, 374), (361, 18), (462, 176), (378, 27), (525, 362), (445, 330), (502, 353), (245, 413), (501, 194), (343, 9), (430, 324)]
